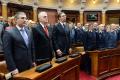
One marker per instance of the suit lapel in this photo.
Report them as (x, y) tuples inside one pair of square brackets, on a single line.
[(60, 27), (20, 36), (40, 29)]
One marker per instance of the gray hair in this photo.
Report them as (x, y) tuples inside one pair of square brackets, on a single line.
[(18, 13)]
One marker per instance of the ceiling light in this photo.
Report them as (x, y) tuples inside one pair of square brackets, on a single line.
[(94, 1), (72, 1), (118, 1)]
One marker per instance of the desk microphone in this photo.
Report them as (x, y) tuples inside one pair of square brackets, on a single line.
[(61, 59), (73, 55), (41, 61), (44, 66)]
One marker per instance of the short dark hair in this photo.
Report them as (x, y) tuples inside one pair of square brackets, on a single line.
[(59, 15), (18, 13)]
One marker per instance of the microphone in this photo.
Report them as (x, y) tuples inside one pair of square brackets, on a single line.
[(41, 61), (61, 59), (44, 66)]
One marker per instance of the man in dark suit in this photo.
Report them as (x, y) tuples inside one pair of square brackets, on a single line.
[(18, 47), (61, 37), (42, 41)]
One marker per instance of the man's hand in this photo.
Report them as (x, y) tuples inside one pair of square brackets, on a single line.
[(34, 64), (59, 52), (14, 72), (82, 53), (70, 50)]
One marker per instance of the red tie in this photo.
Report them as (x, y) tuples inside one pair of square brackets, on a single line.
[(46, 30)]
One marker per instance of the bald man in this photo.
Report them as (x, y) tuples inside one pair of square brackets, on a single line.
[(42, 41)]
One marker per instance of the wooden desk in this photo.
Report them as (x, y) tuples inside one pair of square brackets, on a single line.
[(68, 70), (105, 63)]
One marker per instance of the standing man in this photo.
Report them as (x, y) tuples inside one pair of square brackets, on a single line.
[(1, 34), (18, 48), (42, 41), (61, 37)]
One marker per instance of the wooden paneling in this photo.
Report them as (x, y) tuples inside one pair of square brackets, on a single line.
[(73, 71), (92, 12), (72, 16), (112, 14), (68, 70), (0, 9), (105, 63), (52, 14), (13, 8)]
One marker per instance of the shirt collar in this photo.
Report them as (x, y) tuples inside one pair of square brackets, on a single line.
[(42, 25), (19, 28), (63, 23)]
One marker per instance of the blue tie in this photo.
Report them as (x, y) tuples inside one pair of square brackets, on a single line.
[(64, 27), (25, 36)]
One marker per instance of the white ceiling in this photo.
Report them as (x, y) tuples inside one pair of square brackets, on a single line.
[(71, 4)]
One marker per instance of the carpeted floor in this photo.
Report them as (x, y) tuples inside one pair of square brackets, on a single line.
[(117, 77), (85, 76)]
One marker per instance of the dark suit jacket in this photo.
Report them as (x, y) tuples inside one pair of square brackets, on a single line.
[(43, 45), (111, 40), (90, 41), (100, 40), (61, 38), (79, 35), (17, 53)]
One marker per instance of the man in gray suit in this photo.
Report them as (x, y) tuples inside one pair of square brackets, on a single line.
[(1, 31), (18, 46)]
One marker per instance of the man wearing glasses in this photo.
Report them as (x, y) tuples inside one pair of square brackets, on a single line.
[(18, 48)]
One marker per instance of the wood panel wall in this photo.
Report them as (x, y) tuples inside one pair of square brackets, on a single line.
[(112, 14), (72, 16), (13, 8), (0, 9)]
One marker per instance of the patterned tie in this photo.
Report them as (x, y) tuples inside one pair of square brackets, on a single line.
[(46, 31), (25, 36)]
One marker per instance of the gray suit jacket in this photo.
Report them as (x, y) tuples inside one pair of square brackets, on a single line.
[(17, 53), (1, 30)]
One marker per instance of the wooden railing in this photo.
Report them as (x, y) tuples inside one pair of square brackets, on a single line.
[(68, 70), (105, 63)]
